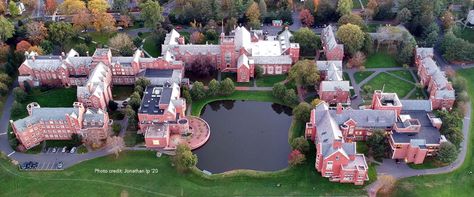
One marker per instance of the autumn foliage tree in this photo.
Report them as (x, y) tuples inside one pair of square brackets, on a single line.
[(122, 44), (50, 6), (36, 32), (357, 60), (296, 158), (253, 15), (125, 21), (96, 6), (197, 37), (22, 46), (351, 36), (82, 20), (72, 6), (103, 22), (307, 18)]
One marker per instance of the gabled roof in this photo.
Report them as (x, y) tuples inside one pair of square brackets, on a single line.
[(243, 61), (335, 85), (366, 118), (327, 35)]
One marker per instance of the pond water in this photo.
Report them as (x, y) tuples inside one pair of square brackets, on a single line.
[(245, 135)]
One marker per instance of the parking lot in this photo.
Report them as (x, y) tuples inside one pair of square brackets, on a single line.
[(59, 150), (32, 165)]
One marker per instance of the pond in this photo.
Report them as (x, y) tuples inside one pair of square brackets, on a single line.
[(245, 135)]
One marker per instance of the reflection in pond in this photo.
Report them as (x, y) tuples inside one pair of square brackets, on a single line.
[(245, 135)]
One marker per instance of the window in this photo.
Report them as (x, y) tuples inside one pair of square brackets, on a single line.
[(337, 158), (329, 165)]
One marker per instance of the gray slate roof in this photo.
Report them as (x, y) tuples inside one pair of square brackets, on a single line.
[(334, 85), (347, 148), (419, 105), (282, 59), (366, 118), (44, 114)]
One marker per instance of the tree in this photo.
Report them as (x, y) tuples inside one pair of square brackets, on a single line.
[(17, 108), (47, 46), (116, 128), (4, 51), (279, 90), (3, 8), (125, 21), (290, 98), (121, 6), (6, 29), (213, 88), (258, 71), (36, 49), (142, 82), (448, 19), (227, 87), (96, 6), (300, 143), (352, 19), (262, 6), (115, 144), (432, 39), (135, 100), (129, 112), (113, 106), (253, 15), (201, 66), (302, 112), (351, 36), (377, 143), (307, 18), (357, 60), (82, 20), (308, 41), (371, 9), (198, 91), (103, 22), (121, 44), (344, 7), (296, 158), (184, 159), (455, 48), (197, 38), (405, 55), (81, 49), (36, 32), (76, 139), (50, 6), (70, 7), (5, 78), (447, 153), (404, 15), (304, 73), (151, 14), (14, 10), (22, 46), (60, 32)]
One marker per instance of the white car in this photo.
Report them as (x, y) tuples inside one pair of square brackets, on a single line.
[(73, 150), (64, 149)]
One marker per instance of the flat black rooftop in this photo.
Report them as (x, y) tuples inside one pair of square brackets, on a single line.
[(153, 96), (427, 131), (167, 73)]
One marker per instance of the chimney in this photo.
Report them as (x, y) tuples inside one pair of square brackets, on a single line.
[(339, 108), (63, 54), (87, 53)]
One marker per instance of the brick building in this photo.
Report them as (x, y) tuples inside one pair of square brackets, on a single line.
[(441, 91), (96, 92), (333, 89), (60, 123), (331, 48), (239, 52), (411, 128)]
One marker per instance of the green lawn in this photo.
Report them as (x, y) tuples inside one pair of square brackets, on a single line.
[(121, 92), (458, 183), (101, 37), (84, 180), (267, 96), (269, 80), (418, 94), (404, 74), (467, 34), (381, 60), (372, 27), (361, 75), (151, 47), (233, 76), (392, 84)]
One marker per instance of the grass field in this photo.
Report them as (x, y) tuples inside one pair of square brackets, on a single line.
[(100, 37), (84, 180), (269, 80), (360, 76), (418, 94), (151, 48), (404, 74), (467, 34), (122, 92), (458, 183), (381, 60), (392, 84)]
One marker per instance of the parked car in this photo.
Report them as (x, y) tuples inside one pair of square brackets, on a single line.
[(54, 150), (60, 165), (73, 150), (64, 149), (354, 96)]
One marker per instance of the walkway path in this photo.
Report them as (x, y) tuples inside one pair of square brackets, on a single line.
[(398, 171)]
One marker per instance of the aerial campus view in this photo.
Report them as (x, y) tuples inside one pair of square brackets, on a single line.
[(236, 97)]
